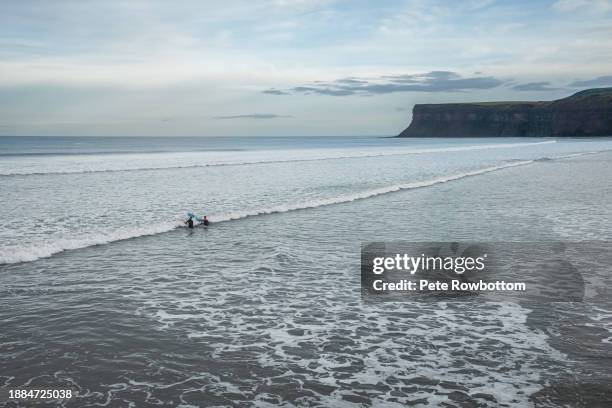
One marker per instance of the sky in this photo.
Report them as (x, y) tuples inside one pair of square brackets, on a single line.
[(284, 67)]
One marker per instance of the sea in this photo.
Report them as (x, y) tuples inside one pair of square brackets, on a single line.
[(104, 290)]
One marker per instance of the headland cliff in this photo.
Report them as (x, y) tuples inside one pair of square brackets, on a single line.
[(586, 113)]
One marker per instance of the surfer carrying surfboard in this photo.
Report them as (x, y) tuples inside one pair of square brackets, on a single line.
[(189, 222), (191, 217)]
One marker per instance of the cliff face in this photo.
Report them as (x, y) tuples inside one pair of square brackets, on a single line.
[(586, 113)]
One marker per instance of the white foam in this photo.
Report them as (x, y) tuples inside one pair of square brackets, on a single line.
[(37, 250), (165, 161), (427, 331), (361, 195)]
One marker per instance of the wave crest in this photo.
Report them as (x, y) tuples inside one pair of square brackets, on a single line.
[(129, 166), (35, 251)]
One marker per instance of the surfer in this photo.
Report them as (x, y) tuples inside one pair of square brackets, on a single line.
[(189, 222), (205, 221)]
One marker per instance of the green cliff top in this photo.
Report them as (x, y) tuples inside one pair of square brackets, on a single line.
[(600, 93)]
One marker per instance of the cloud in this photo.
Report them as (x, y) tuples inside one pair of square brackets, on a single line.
[(605, 80), (535, 86), (351, 81), (254, 116), (275, 92), (584, 5), (323, 91), (479, 4), (433, 81)]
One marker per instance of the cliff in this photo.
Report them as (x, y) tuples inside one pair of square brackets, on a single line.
[(586, 113)]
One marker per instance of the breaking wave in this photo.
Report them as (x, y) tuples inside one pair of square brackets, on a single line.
[(9, 255), (130, 166)]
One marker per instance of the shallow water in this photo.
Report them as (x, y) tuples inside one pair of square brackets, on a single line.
[(56, 202), (264, 308)]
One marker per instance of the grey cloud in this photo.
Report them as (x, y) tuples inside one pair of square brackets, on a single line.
[(254, 116), (434, 81), (350, 81), (275, 92), (430, 84), (443, 75), (599, 81), (420, 78), (535, 86), (339, 91)]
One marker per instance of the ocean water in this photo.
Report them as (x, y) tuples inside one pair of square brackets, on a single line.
[(104, 290)]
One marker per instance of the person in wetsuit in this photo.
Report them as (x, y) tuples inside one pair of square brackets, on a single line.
[(205, 221), (189, 222)]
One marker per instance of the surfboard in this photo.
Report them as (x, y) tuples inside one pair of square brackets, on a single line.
[(195, 217)]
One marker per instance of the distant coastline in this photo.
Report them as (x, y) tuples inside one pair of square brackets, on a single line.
[(585, 114)]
